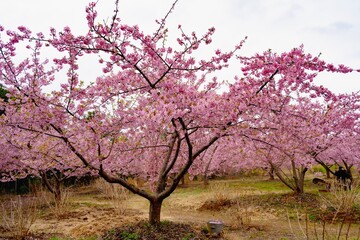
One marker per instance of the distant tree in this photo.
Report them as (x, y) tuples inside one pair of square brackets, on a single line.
[(29, 154)]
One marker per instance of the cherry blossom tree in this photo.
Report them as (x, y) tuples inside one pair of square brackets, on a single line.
[(338, 145), (299, 122), (155, 110), (29, 154), (151, 114)]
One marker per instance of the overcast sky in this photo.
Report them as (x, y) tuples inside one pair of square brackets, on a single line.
[(330, 27)]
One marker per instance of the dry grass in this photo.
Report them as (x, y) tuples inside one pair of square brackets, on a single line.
[(57, 208), (115, 193), (242, 213), (336, 217), (249, 209), (18, 215), (220, 192), (341, 200), (223, 197)]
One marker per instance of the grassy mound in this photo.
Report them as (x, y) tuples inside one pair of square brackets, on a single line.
[(165, 230)]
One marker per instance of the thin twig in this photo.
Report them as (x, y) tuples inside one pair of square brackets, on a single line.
[(271, 77)]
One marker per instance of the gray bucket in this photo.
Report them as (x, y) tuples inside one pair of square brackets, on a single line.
[(215, 227)]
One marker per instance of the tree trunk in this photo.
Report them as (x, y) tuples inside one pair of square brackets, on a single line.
[(299, 186), (57, 192), (327, 173), (206, 180), (53, 186), (206, 177), (299, 180), (271, 172), (298, 176), (155, 210)]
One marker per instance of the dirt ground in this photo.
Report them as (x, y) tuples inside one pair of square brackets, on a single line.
[(89, 213), (93, 216)]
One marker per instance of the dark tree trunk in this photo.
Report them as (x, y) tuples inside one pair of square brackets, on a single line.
[(300, 185), (53, 186), (327, 173), (271, 173), (57, 192), (299, 178), (155, 210), (206, 177), (206, 180)]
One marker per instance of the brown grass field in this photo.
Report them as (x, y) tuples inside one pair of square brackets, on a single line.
[(250, 207)]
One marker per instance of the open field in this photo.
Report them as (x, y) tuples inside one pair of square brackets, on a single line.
[(251, 208)]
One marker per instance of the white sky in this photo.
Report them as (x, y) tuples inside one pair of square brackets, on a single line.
[(331, 27)]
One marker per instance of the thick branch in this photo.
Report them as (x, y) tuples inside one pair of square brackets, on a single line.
[(124, 183)]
